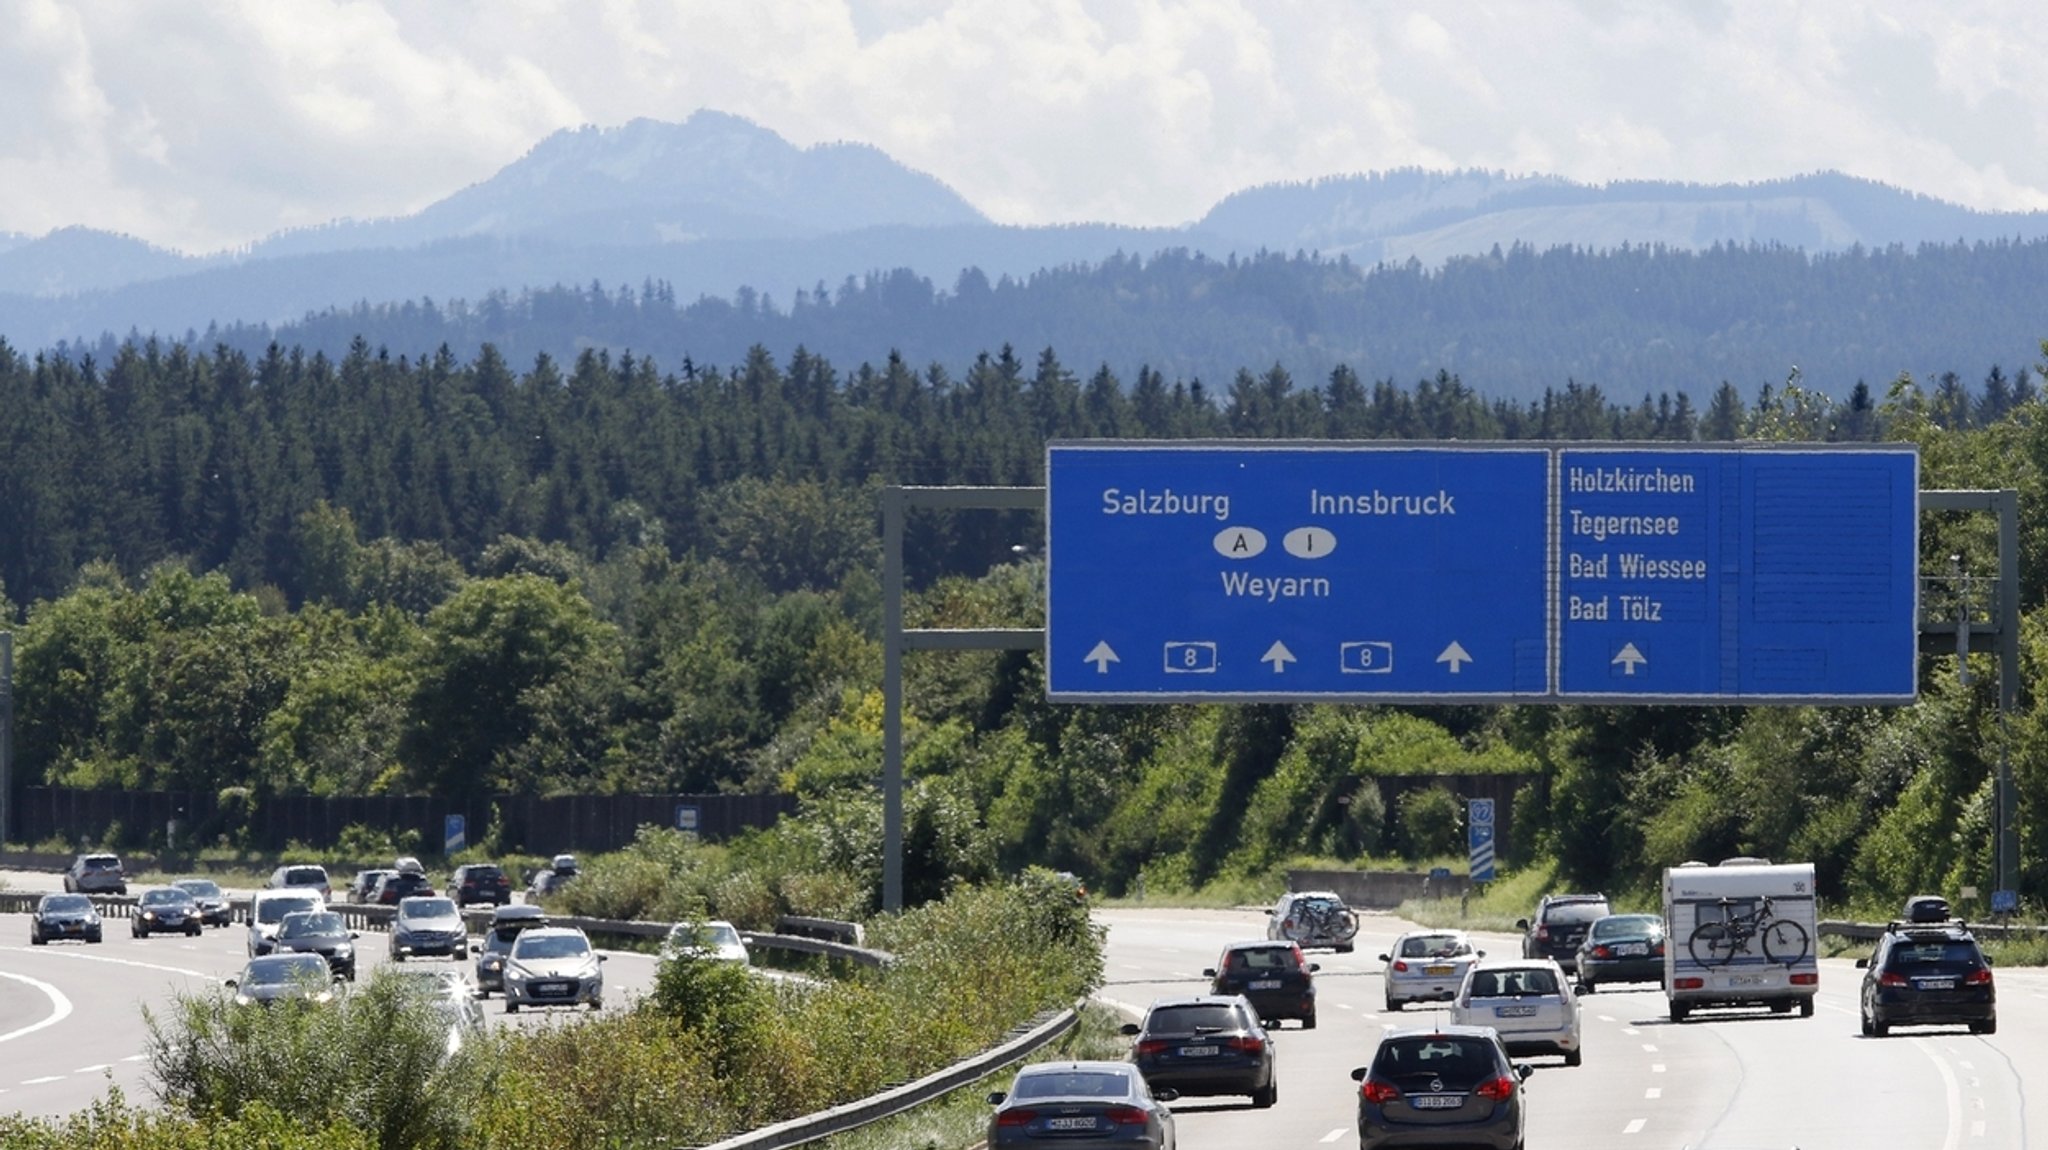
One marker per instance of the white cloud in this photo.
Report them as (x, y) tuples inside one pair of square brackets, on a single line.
[(206, 124)]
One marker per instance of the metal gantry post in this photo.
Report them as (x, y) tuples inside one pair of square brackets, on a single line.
[(6, 736)]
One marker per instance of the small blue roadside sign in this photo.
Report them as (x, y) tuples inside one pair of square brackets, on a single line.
[(454, 834), (687, 816), (2005, 901), (1479, 839)]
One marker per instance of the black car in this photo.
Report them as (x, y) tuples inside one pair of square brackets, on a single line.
[(399, 885), (214, 909), (319, 932), (1449, 1086), (165, 908), (1560, 925), (1272, 976), (1081, 1104), (506, 923), (1621, 948), (276, 978), (1206, 1045), (1927, 975), (65, 916), (480, 882)]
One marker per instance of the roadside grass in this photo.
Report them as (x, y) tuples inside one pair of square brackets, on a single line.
[(960, 1119)]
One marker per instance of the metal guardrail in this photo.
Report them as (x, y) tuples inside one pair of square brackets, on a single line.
[(840, 1119), (1872, 931)]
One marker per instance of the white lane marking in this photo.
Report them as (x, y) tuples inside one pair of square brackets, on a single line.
[(1965, 1064), (1654, 1092), (1649, 1049), (1977, 1128), (60, 1006), (1345, 1006), (1333, 1135), (1635, 1126), (76, 956), (1656, 1068), (1955, 1096), (1628, 1030), (136, 1058), (43, 1079), (93, 1069)]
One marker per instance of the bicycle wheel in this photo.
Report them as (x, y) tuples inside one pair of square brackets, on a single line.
[(1785, 941), (1343, 926), (1711, 944)]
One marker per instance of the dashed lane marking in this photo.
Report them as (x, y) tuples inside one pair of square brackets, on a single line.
[(1649, 1048), (1656, 1068), (93, 1069), (1635, 1126), (43, 1079), (1654, 1092), (1333, 1135)]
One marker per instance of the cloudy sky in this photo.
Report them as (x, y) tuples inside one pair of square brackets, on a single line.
[(200, 125)]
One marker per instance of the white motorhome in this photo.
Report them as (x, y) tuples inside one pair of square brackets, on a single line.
[(1740, 934)]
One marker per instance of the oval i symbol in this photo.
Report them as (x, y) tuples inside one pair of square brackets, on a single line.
[(1240, 542), (1309, 543)]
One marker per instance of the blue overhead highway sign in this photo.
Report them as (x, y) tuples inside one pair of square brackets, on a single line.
[(1396, 572)]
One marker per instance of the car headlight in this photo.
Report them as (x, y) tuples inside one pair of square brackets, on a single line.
[(243, 1000), (344, 949), (149, 915)]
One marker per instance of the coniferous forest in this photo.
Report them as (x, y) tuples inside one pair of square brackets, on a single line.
[(429, 574)]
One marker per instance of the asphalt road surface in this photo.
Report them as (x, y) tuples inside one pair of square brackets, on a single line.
[(1723, 1081), (71, 1014)]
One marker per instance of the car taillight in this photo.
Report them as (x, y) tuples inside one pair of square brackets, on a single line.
[(1300, 960), (1287, 925), (1688, 983), (1542, 934), (1378, 1091), (1126, 1116), (1246, 1044), (1811, 978), (1657, 949), (1889, 978), (1153, 1046), (1603, 951), (1978, 977), (1496, 1089), (1400, 966), (1016, 1117)]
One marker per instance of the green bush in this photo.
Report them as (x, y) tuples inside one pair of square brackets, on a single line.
[(113, 1124), (1432, 822)]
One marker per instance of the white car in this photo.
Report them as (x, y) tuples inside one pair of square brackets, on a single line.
[(553, 966), (1313, 919), (1428, 966), (712, 938), (1528, 1000), (267, 909)]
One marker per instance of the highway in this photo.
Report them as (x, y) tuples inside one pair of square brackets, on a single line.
[(1723, 1081), (71, 1014)]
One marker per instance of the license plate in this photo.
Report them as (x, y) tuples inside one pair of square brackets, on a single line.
[(1263, 984), (551, 988), (1436, 1101), (1514, 1011), (1197, 1051), (1070, 1124), (1749, 980), (1438, 969), (1631, 949), (1937, 984)]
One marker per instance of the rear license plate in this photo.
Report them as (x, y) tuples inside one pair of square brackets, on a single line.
[(1514, 1011), (1749, 980), (1070, 1124), (1263, 984), (1632, 949), (1197, 1051), (1937, 984), (1436, 1101), (1438, 969)]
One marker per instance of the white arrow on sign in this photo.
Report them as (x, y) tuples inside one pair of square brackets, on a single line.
[(1102, 657), (1279, 656), (1454, 656), (1629, 658)]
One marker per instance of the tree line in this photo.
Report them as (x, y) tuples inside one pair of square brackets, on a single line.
[(380, 574)]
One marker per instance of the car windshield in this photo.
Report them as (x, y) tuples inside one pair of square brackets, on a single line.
[(1072, 1084), (1575, 912), (704, 934), (1513, 983), (484, 873), (1193, 1018), (102, 862), (427, 908), (291, 968), (165, 898), (1628, 926), (305, 876), (1263, 958), (274, 909), (1448, 1057), (550, 946), (1934, 952), (67, 903), (1434, 946), (311, 925), (199, 887)]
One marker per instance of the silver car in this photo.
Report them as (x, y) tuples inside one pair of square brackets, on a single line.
[(1081, 1104), (428, 924), (553, 966), (1427, 966)]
